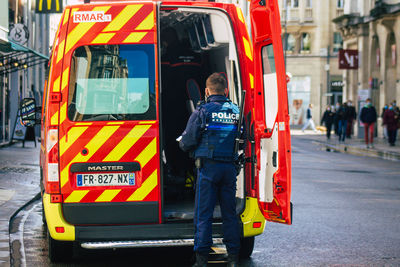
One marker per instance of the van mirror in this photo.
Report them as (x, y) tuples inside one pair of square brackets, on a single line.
[(28, 112)]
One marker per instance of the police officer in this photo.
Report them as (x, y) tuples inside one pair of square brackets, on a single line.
[(210, 134)]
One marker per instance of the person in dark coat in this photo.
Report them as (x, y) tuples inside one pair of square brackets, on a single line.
[(390, 119), (210, 134), (342, 115), (351, 116), (327, 119), (368, 118)]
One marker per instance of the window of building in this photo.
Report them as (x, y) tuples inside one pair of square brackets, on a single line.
[(308, 3), (292, 3), (290, 42), (305, 42), (337, 41), (340, 3)]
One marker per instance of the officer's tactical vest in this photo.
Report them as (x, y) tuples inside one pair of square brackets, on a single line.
[(218, 139)]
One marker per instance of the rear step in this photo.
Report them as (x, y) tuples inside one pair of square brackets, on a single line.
[(143, 243)]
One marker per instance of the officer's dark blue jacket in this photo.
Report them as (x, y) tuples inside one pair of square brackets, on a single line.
[(211, 130)]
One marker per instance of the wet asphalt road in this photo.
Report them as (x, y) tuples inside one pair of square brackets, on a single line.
[(346, 212)]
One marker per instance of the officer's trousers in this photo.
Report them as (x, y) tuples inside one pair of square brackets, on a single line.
[(216, 180)]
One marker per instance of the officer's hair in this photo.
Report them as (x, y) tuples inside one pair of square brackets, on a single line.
[(216, 83)]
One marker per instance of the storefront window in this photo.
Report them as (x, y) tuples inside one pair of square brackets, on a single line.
[(299, 89)]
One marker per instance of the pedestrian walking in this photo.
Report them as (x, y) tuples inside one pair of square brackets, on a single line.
[(327, 119), (210, 134), (342, 115), (336, 119), (384, 127), (368, 118), (390, 119), (351, 117), (309, 121)]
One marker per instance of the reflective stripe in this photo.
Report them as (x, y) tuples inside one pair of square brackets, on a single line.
[(122, 18), (108, 195), (135, 37), (147, 23), (76, 196), (103, 38), (251, 77), (66, 15), (63, 112), (247, 49), (60, 51), (54, 119), (56, 85), (148, 185), (129, 140), (64, 79), (97, 141), (148, 153), (73, 135), (240, 14)]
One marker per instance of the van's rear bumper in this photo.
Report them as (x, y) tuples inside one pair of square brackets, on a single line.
[(164, 231)]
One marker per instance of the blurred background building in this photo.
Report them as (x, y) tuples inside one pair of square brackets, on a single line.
[(24, 51), (313, 33), (311, 45), (373, 29)]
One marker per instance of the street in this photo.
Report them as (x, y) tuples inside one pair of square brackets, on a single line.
[(346, 212)]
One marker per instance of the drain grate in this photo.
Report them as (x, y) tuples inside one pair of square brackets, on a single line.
[(7, 169)]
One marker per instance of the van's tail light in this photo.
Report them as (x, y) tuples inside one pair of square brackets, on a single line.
[(53, 177)]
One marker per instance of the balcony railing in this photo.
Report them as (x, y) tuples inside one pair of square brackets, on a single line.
[(308, 14), (293, 14)]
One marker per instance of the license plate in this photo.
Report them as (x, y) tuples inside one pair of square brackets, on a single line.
[(105, 179)]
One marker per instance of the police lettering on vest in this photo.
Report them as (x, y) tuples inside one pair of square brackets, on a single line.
[(218, 140)]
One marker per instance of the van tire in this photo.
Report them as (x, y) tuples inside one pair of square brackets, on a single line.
[(59, 251), (246, 247)]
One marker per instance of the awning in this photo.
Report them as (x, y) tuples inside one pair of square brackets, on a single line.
[(14, 57)]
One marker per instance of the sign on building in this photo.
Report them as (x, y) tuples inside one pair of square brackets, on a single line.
[(49, 6), (348, 59)]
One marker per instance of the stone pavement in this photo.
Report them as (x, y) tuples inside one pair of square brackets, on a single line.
[(353, 146), (19, 183)]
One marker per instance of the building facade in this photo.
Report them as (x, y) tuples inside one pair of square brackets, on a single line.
[(24, 50), (373, 28), (311, 45)]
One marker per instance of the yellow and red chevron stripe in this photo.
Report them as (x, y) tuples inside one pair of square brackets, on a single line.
[(111, 143), (105, 142)]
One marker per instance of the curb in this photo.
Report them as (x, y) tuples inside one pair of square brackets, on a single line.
[(35, 198), (359, 151)]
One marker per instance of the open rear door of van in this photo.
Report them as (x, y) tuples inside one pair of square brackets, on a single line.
[(108, 124), (272, 133)]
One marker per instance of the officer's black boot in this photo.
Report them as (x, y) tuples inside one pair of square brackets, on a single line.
[(233, 260), (201, 260)]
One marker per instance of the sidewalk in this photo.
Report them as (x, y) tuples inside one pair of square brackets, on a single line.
[(353, 146), (19, 183)]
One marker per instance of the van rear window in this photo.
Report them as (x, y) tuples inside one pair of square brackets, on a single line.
[(112, 82)]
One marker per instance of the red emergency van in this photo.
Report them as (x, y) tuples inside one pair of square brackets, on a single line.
[(123, 79)]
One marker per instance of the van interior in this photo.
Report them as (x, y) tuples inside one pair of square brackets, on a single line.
[(194, 43)]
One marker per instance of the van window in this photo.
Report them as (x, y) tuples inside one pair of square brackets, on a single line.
[(112, 82)]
